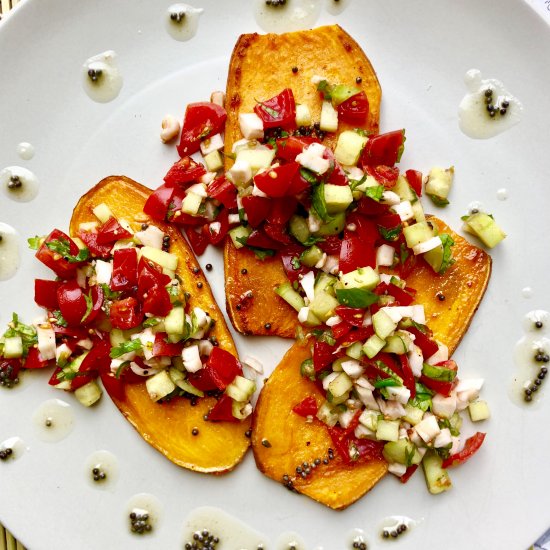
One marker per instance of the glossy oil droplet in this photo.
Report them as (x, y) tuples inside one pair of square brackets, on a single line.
[(12, 449), (19, 184), (53, 420), (334, 7), (101, 470), (286, 15), (483, 115), (527, 292), (101, 78), (25, 150), (231, 532), (9, 251), (182, 21), (394, 527), (142, 514), (290, 541), (356, 539)]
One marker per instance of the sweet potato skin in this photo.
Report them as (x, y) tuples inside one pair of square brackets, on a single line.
[(256, 73), (338, 485), (218, 447)]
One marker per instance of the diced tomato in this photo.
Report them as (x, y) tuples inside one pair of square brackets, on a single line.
[(384, 175), (96, 250), (54, 378), (202, 120), (368, 449), (258, 239), (383, 149), (202, 380), (222, 410), (10, 368), (70, 332), (356, 335), (45, 293), (275, 182), (97, 360), (278, 111), (402, 296), (158, 203), (126, 313), (444, 388), (184, 171), (217, 232), (331, 245), (113, 386), (163, 348), (306, 407), (34, 360), (425, 343), (353, 315), (408, 376), (389, 225), (470, 448), (369, 207), (125, 269), (341, 330), (323, 355), (298, 185), (111, 231), (63, 268), (289, 256), (149, 275), (281, 210), (414, 177), (256, 209), (224, 191), (198, 238), (356, 252), (223, 367), (408, 473), (336, 174), (157, 301), (73, 305), (288, 148), (355, 109), (277, 232)]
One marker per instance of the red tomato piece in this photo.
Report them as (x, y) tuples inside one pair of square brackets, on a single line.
[(408, 376), (258, 239), (222, 411), (184, 171), (175, 214), (35, 361), (223, 367), (125, 269), (336, 174), (331, 245), (290, 256), (356, 335), (157, 301), (72, 303), (353, 315), (402, 296), (163, 348), (341, 330), (470, 448), (198, 238), (355, 109), (113, 386), (424, 342), (126, 313), (54, 260), (202, 120), (275, 182), (45, 293), (96, 249), (408, 473), (157, 205), (384, 175), (278, 111), (288, 148), (112, 231), (323, 355), (281, 210), (369, 207), (149, 275), (383, 149), (218, 235), (298, 185), (444, 388), (306, 407), (277, 232), (224, 191), (356, 252), (414, 177), (202, 380), (256, 209)]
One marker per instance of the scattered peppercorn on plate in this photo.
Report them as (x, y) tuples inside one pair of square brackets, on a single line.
[(315, 429)]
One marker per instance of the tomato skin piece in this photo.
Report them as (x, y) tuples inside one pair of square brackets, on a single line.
[(198, 239), (72, 304), (34, 360), (149, 275), (125, 269), (111, 231), (444, 388), (352, 315), (408, 376), (157, 301), (307, 407), (113, 386), (414, 177), (383, 149), (288, 254), (223, 367), (331, 245), (281, 210), (162, 348), (288, 148), (158, 202), (61, 267), (222, 411), (279, 110), (276, 182), (126, 313), (223, 220), (259, 239), (96, 250), (277, 232), (355, 109), (408, 474), (224, 191), (202, 119), (356, 252), (256, 209), (470, 448), (45, 293), (185, 170), (424, 342), (384, 175), (323, 355)]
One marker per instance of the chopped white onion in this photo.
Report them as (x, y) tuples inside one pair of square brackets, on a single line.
[(426, 246)]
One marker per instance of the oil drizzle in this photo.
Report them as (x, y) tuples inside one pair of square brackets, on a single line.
[(53, 420), (101, 470), (182, 21), (146, 508), (335, 7), (9, 251), (17, 446), (288, 15), (101, 78), (19, 184)]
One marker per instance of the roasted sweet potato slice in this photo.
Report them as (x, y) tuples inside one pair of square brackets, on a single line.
[(291, 440), (218, 447), (261, 66)]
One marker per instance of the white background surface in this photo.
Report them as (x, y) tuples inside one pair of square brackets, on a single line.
[(420, 51)]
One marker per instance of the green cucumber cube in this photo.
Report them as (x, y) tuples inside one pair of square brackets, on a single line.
[(349, 147), (383, 324)]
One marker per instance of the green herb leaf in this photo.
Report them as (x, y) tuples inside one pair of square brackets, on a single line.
[(63, 248), (438, 201), (384, 383), (242, 240), (59, 319), (242, 217), (409, 455), (319, 203), (375, 192), (390, 234), (262, 254), (35, 242), (151, 322), (326, 89), (307, 370), (324, 336), (296, 264), (89, 306), (125, 347), (448, 259), (356, 297), (308, 175), (27, 333), (109, 294)]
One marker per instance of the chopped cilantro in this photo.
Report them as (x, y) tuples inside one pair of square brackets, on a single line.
[(375, 192), (63, 248), (89, 306), (125, 347), (59, 319), (390, 234), (35, 242), (448, 259), (27, 333), (296, 264), (326, 89), (151, 322), (308, 175)]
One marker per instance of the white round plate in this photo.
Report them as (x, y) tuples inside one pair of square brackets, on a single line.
[(421, 51)]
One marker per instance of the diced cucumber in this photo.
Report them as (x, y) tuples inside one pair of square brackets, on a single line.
[(102, 212), (438, 372), (325, 283), (311, 320), (88, 394), (191, 204), (341, 385), (387, 430), (174, 324), (186, 386), (356, 297), (241, 409), (369, 419), (299, 228), (373, 345), (13, 347), (323, 305), (417, 233), (332, 227), (116, 337), (213, 161), (239, 233), (355, 350), (165, 259), (337, 364), (437, 478), (484, 226), (479, 410), (349, 147), (383, 324), (311, 256), (402, 451), (327, 414), (341, 92), (413, 415), (434, 258), (289, 295), (438, 184), (159, 385), (329, 117), (241, 389), (418, 211), (257, 158), (398, 343), (303, 115), (337, 198), (404, 190), (365, 278)]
